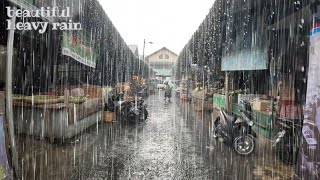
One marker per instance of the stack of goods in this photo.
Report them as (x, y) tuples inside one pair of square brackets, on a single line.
[(288, 108), (261, 105), (92, 91), (108, 116), (199, 93), (77, 92), (290, 112), (204, 107), (42, 99), (46, 99), (127, 91), (60, 90)]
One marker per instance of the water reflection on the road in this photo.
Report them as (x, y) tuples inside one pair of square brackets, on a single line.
[(162, 148)]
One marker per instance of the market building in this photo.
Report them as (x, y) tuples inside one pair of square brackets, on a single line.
[(260, 50), (57, 73), (162, 62)]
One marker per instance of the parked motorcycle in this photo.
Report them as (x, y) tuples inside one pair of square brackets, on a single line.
[(287, 140), (127, 110), (143, 92), (139, 113), (236, 131), (115, 103)]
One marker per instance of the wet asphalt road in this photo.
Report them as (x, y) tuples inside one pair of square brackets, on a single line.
[(174, 143), (161, 148)]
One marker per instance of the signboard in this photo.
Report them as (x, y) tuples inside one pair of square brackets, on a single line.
[(4, 166), (244, 61), (309, 158), (79, 48)]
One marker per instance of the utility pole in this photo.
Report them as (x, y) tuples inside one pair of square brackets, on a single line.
[(9, 106), (144, 47)]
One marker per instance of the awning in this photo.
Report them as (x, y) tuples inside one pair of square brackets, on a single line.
[(163, 72), (245, 60)]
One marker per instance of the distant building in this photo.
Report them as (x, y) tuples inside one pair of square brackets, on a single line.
[(162, 62), (134, 49)]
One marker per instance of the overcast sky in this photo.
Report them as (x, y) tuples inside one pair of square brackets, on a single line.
[(169, 23)]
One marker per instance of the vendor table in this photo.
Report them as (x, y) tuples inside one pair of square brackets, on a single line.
[(56, 121), (263, 121)]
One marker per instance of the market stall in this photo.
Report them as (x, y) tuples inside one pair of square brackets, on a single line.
[(57, 96), (202, 99), (119, 101), (185, 90), (58, 117), (267, 108)]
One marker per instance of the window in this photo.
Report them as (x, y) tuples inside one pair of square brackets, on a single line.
[(166, 56), (161, 56)]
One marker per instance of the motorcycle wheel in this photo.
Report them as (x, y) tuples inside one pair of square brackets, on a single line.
[(285, 150), (143, 114), (215, 134), (244, 145)]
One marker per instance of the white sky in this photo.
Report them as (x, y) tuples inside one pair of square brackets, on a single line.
[(169, 23)]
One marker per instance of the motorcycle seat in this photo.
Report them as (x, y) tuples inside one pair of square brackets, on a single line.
[(289, 122), (229, 116)]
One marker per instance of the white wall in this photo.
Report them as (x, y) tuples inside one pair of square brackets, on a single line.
[(154, 59)]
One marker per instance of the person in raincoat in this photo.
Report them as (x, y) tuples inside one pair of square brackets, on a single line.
[(167, 91)]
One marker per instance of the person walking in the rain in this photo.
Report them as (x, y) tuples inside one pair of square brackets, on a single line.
[(167, 91)]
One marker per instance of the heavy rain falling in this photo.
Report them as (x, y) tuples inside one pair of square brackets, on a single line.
[(119, 89)]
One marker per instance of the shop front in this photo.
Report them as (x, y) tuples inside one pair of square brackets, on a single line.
[(309, 159), (262, 70), (53, 84), (52, 74)]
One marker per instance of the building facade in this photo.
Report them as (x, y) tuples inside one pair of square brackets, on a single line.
[(162, 62)]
